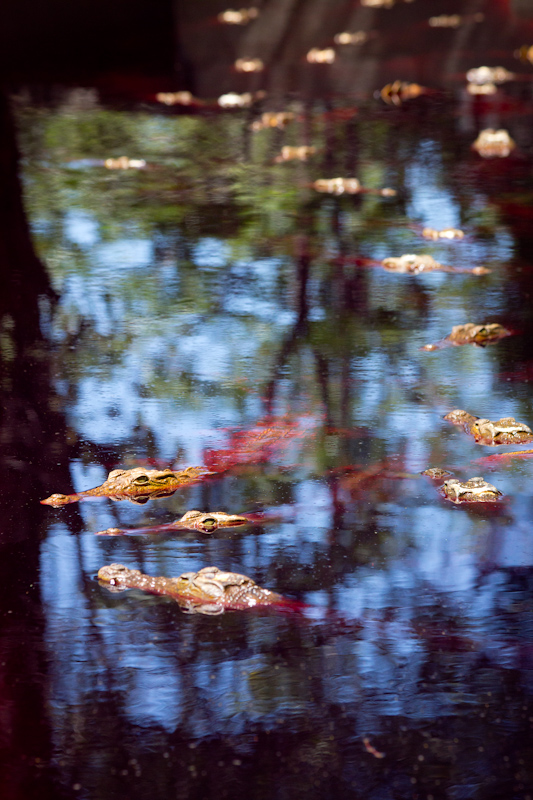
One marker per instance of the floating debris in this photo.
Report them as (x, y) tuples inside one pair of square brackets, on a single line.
[(272, 119), (446, 233), (249, 65), (316, 56), (234, 100), (175, 98), (504, 431), (209, 591), (289, 153), (493, 143), (124, 163), (475, 490), (469, 333), (358, 37), (398, 92), (484, 75), (241, 17)]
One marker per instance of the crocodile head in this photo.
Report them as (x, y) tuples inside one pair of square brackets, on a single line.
[(136, 485), (469, 333), (460, 417), (475, 490), (210, 522), (504, 431)]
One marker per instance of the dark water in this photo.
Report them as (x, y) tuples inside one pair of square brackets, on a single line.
[(215, 291)]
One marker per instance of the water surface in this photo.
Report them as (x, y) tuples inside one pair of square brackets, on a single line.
[(214, 292)]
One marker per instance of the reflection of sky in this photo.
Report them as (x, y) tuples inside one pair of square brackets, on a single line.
[(81, 229), (430, 203), (159, 357), (439, 563)]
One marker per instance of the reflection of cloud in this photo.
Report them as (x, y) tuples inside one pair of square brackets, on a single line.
[(164, 682), (154, 692), (434, 205), (105, 411), (60, 585), (124, 254), (81, 228), (211, 252), (516, 546)]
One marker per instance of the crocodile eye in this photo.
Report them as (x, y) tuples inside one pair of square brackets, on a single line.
[(163, 478), (142, 479), (209, 522)]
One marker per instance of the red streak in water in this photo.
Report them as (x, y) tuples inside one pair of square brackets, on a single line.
[(494, 459)]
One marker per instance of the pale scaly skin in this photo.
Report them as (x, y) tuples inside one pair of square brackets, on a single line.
[(288, 153), (412, 264), (469, 333), (475, 490), (460, 417), (446, 233), (504, 431), (136, 485), (207, 522), (209, 591)]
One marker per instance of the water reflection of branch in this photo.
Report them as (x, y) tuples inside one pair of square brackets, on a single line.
[(32, 433), (23, 275), (299, 329)]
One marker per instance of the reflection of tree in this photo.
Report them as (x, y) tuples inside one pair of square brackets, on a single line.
[(24, 275), (262, 210), (286, 699), (201, 181), (33, 441), (298, 331)]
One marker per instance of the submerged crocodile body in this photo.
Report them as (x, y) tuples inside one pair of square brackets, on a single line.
[(413, 264), (209, 591), (137, 485), (207, 522)]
